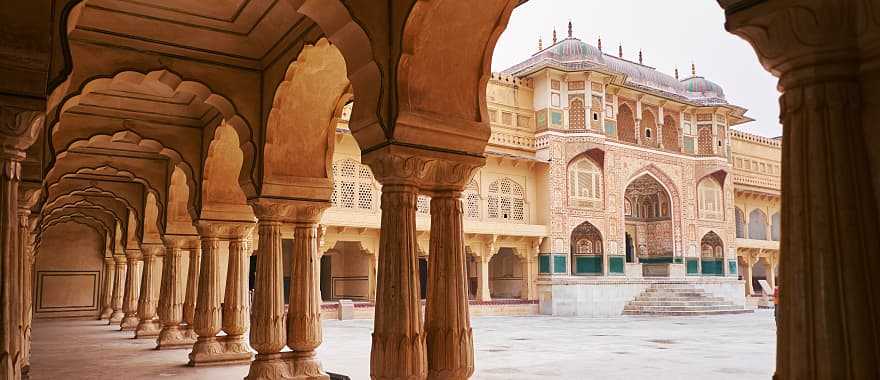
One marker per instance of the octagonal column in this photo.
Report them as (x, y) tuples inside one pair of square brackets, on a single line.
[(132, 289), (268, 335), (107, 288), (208, 315), (236, 307), (171, 297), (118, 289), (829, 75), (149, 326), (192, 289)]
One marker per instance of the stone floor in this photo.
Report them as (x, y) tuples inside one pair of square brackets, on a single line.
[(717, 347)]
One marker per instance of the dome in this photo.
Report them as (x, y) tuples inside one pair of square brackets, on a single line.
[(572, 49), (703, 86)]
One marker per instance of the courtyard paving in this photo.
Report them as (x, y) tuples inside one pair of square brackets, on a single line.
[(717, 347)]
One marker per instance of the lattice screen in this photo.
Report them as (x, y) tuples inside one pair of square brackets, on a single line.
[(423, 205), (506, 201), (353, 186), (471, 199)]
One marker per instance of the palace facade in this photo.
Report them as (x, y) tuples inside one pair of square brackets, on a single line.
[(603, 176)]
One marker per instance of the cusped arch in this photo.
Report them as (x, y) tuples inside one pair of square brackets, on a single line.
[(167, 82), (79, 218), (95, 191)]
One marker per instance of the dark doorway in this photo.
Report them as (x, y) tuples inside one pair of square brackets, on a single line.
[(629, 249), (326, 278), (423, 278)]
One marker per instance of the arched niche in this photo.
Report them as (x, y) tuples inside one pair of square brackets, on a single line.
[(712, 254), (587, 248), (222, 197)]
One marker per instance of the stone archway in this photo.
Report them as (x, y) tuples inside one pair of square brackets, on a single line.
[(587, 250), (506, 275), (711, 255), (649, 224)]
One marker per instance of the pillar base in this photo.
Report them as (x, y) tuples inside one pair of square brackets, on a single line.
[(307, 367), (270, 367), (147, 329), (105, 314), (189, 333), (173, 337), (129, 323), (209, 351), (116, 318)]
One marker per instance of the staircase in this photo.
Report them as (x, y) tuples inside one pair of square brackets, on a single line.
[(680, 300)]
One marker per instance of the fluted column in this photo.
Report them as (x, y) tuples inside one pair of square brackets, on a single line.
[(171, 297), (268, 334), (107, 292), (825, 55), (447, 321), (149, 326), (236, 307), (483, 293), (304, 333), (27, 288), (19, 130), (118, 289), (132, 289), (208, 315), (192, 289)]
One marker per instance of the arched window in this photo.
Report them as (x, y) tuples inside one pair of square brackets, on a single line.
[(648, 125), (626, 124), (585, 183), (506, 201), (585, 247), (576, 114), (670, 134), (471, 197), (775, 226), (353, 186), (757, 225), (710, 199), (712, 246), (740, 223)]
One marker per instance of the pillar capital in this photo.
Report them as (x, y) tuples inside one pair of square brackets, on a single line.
[(433, 172), (152, 249), (224, 229), (19, 128), (177, 241), (133, 254), (119, 259), (289, 210)]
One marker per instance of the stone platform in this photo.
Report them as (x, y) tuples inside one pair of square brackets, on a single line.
[(680, 300), (608, 296)]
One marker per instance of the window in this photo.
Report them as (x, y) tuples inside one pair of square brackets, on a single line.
[(609, 111), (506, 201), (757, 225), (648, 133), (709, 192), (506, 118), (423, 205), (471, 197), (353, 186), (740, 223), (576, 113), (688, 129), (554, 99), (493, 115), (585, 180)]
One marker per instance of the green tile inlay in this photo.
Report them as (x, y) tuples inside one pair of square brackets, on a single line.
[(693, 266), (544, 263), (588, 265), (615, 264), (558, 264)]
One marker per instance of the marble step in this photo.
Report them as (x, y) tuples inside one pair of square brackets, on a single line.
[(687, 313), (685, 299), (679, 303), (681, 308)]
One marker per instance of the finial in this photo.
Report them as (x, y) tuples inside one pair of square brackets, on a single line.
[(554, 36), (569, 29), (693, 69), (600, 43), (620, 50), (640, 57), (676, 73), (540, 44)]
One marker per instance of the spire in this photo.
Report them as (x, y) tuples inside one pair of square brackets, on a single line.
[(693, 69), (600, 43), (640, 57), (569, 29), (620, 50), (676, 73), (554, 36), (540, 44)]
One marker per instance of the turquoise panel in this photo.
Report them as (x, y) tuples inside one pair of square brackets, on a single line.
[(693, 266), (558, 264), (544, 264), (731, 267), (588, 265), (688, 144), (610, 127), (615, 264), (678, 260), (713, 267), (556, 117), (656, 260)]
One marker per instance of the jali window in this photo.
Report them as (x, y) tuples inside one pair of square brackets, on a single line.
[(506, 201), (353, 186), (710, 194), (585, 181)]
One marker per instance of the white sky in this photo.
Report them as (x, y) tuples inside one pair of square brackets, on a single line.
[(670, 34)]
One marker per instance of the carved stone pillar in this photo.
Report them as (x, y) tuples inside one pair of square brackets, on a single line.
[(118, 289), (171, 297), (483, 284), (192, 289), (824, 53), (18, 130), (149, 326), (132, 289), (303, 333), (107, 292), (27, 276), (208, 316), (236, 307), (374, 263)]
